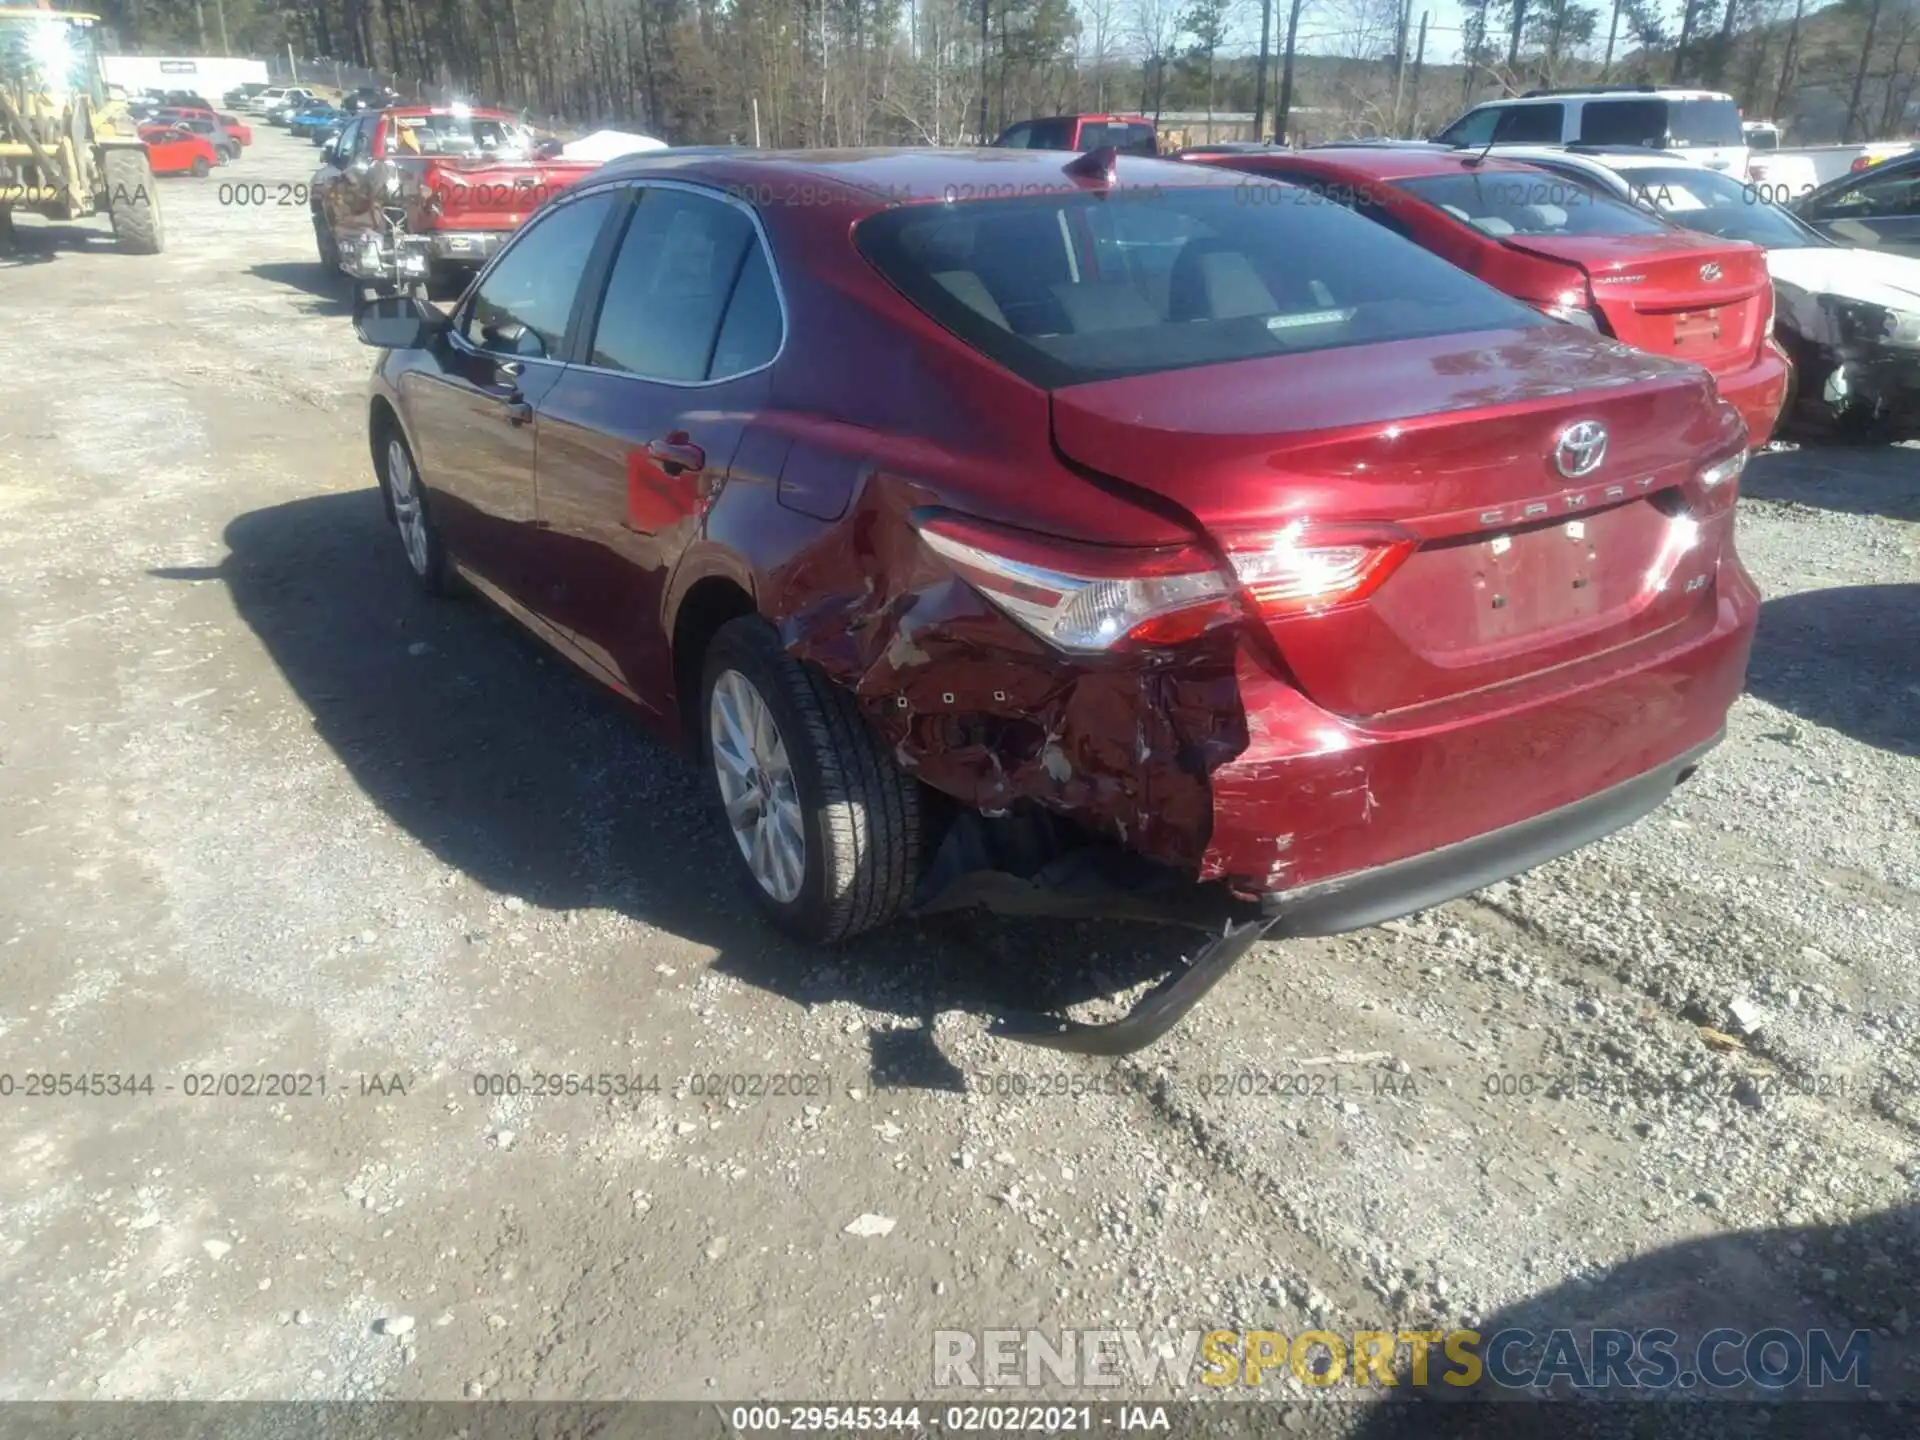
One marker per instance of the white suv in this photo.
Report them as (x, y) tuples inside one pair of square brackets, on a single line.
[(1703, 125)]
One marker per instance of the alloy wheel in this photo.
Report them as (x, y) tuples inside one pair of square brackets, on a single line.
[(757, 786), (408, 514)]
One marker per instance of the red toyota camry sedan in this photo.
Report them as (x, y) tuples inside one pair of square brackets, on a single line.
[(1565, 249), (1065, 534)]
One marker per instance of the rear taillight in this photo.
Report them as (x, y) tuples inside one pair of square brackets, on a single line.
[(1309, 568), (1085, 598), (1572, 307), (1095, 598)]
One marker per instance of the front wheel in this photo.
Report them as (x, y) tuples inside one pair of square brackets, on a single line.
[(201, 168), (826, 825), (324, 242), (407, 503), (133, 204)]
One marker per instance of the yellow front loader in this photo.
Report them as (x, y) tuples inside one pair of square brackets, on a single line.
[(66, 150)]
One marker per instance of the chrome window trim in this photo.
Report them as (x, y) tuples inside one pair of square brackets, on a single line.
[(779, 289)]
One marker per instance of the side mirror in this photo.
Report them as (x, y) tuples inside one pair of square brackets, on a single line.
[(397, 322), (505, 338)]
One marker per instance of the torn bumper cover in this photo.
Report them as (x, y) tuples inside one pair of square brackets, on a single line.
[(1204, 787), (1858, 361), (1075, 885)]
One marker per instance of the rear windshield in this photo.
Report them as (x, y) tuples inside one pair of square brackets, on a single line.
[(1063, 289), (1717, 204), (1510, 202), (1128, 139)]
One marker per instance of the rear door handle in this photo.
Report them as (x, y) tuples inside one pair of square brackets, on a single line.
[(677, 453)]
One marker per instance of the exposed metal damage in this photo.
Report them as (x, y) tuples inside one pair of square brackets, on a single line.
[(1086, 789)]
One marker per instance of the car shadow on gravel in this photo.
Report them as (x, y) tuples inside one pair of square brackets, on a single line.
[(1858, 479), (1836, 1279), (329, 287), (525, 775), (1843, 658)]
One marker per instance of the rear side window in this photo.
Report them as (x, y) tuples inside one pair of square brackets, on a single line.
[(1510, 202), (1127, 139), (1703, 122), (1624, 122), (1064, 289), (1531, 125), (669, 289)]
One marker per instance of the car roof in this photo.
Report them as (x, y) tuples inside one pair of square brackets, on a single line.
[(1084, 115), (1386, 162), (478, 112), (1627, 157), (1649, 92), (908, 174)]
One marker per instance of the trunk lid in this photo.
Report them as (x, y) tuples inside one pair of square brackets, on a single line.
[(1519, 569), (484, 194), (1704, 301)]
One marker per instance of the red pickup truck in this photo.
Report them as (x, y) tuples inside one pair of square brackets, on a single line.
[(407, 196)]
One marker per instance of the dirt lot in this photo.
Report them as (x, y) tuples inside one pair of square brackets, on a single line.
[(263, 810)]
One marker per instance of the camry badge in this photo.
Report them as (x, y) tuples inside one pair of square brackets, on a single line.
[(1580, 449), (1710, 271)]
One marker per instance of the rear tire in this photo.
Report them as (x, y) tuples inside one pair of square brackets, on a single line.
[(823, 770), (201, 168), (132, 202)]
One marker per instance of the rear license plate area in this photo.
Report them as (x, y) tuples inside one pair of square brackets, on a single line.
[(1696, 328)]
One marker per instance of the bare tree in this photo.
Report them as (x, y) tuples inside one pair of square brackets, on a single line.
[(1156, 26)]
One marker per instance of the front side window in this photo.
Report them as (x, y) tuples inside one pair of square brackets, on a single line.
[(1064, 289), (1473, 129), (690, 297), (523, 304), (1019, 137), (1052, 135), (1514, 202)]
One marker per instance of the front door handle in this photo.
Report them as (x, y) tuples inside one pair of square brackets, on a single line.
[(677, 453), (518, 412)]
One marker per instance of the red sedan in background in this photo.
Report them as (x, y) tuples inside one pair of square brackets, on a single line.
[(1566, 250), (174, 150), (1098, 544), (235, 128)]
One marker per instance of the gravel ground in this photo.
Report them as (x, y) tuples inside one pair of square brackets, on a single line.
[(264, 810)]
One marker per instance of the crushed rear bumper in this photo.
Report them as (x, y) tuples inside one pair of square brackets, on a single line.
[(1350, 902)]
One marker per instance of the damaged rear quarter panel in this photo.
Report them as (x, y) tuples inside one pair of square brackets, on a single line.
[(966, 699)]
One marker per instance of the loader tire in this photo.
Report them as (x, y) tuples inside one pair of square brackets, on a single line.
[(133, 202)]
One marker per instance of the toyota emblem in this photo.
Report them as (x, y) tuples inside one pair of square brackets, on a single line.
[(1580, 449), (1710, 271)]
